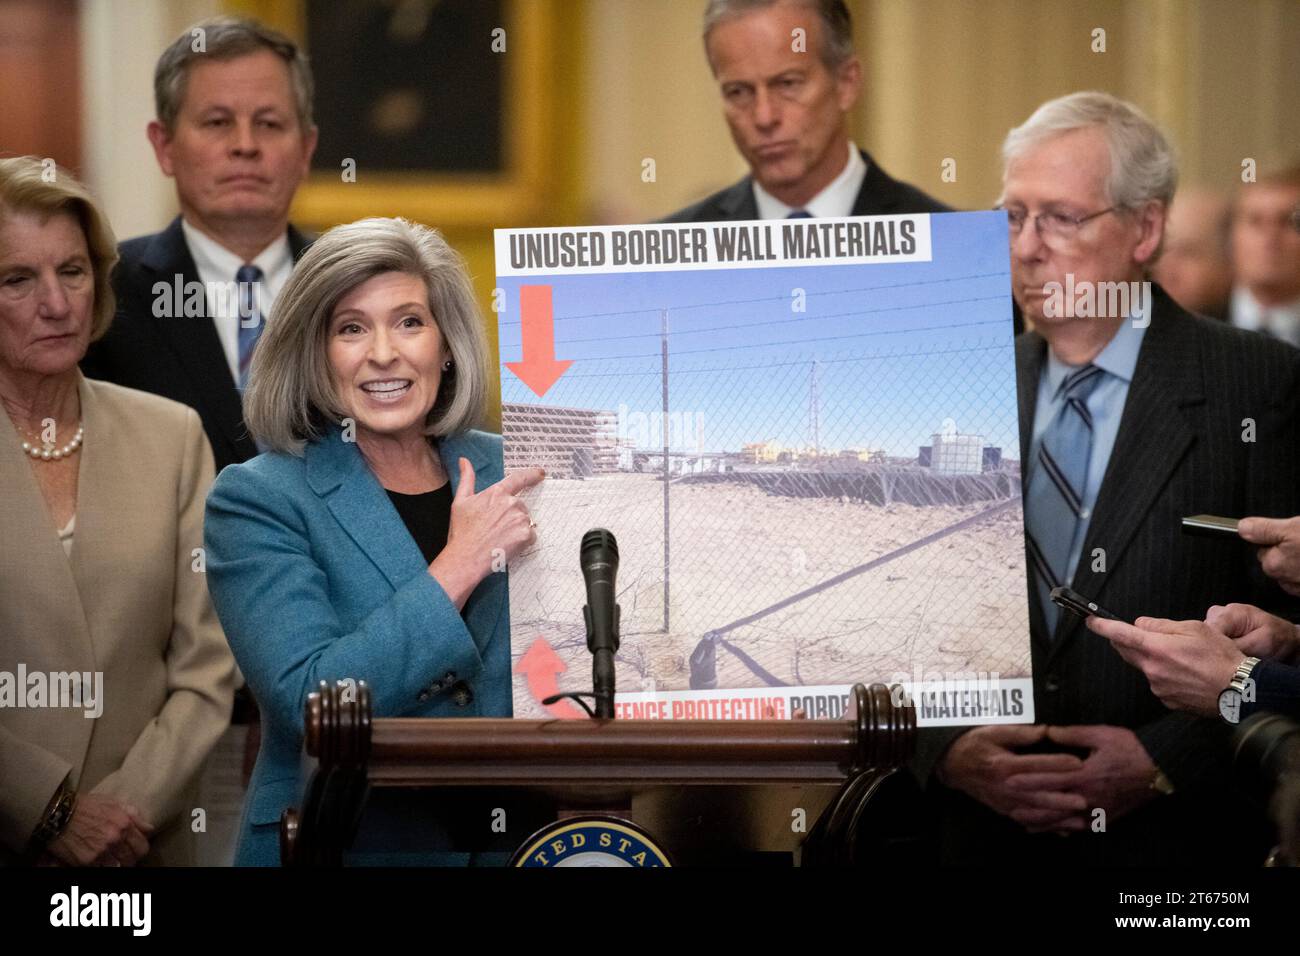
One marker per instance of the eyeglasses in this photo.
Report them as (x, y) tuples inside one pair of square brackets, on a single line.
[(1050, 225)]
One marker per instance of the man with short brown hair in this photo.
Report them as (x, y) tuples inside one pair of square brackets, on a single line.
[(234, 130)]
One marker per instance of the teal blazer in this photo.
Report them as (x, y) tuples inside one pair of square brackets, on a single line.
[(315, 577)]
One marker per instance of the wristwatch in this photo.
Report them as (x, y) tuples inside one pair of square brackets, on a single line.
[(56, 816), (1162, 784), (1230, 697)]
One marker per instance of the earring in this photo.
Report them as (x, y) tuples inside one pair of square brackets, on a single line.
[(446, 366)]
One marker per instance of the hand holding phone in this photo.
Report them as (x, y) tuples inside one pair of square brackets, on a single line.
[(1210, 526), (1076, 603)]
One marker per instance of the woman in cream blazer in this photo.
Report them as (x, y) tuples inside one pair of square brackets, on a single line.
[(115, 679)]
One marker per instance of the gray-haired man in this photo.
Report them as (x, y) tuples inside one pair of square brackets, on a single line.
[(789, 77), (1133, 414)]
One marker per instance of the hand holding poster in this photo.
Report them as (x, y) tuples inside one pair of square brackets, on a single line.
[(803, 434)]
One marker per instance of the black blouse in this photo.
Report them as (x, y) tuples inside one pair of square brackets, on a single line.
[(427, 516)]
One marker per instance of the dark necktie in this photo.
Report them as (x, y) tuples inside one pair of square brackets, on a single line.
[(250, 317), (1059, 475)]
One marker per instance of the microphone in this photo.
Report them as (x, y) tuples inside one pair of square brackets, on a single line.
[(598, 556)]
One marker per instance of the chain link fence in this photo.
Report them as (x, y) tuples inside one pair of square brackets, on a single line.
[(796, 514)]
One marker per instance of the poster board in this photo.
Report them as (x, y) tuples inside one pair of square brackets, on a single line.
[(803, 434)]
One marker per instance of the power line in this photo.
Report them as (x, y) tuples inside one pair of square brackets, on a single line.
[(749, 345), (771, 298), (740, 368), (811, 318)]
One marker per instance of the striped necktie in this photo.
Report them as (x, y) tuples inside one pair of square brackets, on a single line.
[(249, 279), (1054, 503)]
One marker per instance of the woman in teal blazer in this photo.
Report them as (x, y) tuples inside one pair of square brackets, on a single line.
[(369, 542)]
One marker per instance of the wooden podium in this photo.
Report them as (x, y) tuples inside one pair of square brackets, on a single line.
[(702, 788)]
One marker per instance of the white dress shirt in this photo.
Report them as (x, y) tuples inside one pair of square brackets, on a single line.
[(1279, 321), (836, 199), (217, 265)]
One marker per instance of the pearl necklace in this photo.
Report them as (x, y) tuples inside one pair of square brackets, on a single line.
[(49, 453)]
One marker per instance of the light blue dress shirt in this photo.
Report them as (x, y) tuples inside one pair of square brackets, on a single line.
[(1106, 403)]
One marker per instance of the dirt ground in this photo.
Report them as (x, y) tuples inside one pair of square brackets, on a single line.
[(952, 607)]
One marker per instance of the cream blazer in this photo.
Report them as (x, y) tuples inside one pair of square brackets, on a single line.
[(131, 603)]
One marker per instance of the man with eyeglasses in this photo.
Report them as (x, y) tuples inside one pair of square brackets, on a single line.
[(1133, 413)]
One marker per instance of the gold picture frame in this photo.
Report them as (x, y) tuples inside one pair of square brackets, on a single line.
[(515, 195)]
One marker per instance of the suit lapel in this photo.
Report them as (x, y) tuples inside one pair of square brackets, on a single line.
[(451, 450), (27, 519), (1031, 353), (298, 243), (194, 339), (94, 557), (1153, 438), (878, 195), (338, 473), (738, 203), (490, 598)]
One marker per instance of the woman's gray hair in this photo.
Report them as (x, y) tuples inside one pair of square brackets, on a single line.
[(1143, 166), (291, 396)]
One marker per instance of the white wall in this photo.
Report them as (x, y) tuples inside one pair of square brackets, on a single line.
[(120, 43)]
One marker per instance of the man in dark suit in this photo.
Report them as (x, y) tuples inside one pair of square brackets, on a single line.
[(1266, 253), (789, 77), (235, 131), (1133, 414)]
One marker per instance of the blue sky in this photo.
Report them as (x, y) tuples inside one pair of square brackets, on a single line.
[(897, 348)]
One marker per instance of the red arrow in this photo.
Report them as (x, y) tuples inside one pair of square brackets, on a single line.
[(539, 665), (539, 370)]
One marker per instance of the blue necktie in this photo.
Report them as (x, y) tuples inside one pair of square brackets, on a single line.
[(1054, 503), (799, 214), (250, 317)]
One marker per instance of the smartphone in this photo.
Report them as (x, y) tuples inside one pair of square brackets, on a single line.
[(1211, 526), (1076, 603)]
